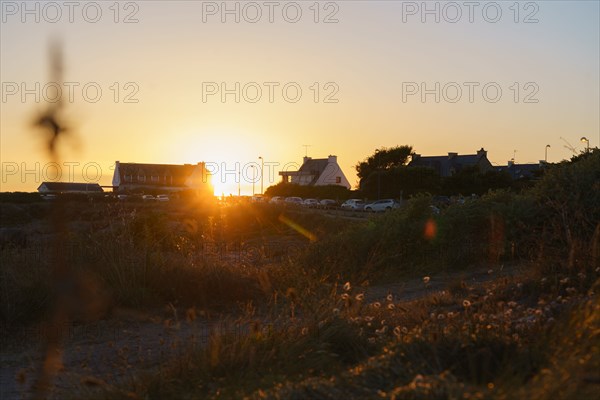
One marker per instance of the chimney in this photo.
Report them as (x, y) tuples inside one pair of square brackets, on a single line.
[(332, 159), (482, 153), (511, 163), (452, 155), (305, 159), (415, 157)]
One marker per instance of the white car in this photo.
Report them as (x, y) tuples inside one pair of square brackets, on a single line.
[(293, 200), (382, 205), (276, 200), (148, 197), (162, 197), (310, 203), (353, 204), (327, 204)]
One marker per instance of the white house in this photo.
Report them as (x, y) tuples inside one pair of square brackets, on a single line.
[(317, 172)]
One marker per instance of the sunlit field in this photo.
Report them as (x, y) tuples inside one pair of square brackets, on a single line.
[(196, 298)]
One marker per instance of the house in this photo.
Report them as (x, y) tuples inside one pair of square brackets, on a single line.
[(522, 171), (69, 187), (317, 172), (452, 163), (163, 177)]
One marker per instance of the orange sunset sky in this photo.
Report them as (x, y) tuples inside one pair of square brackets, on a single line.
[(355, 63)]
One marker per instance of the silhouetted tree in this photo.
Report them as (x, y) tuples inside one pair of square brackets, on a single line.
[(384, 159)]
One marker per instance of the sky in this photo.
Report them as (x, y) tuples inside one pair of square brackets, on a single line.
[(228, 82)]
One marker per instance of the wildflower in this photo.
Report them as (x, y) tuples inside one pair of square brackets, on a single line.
[(512, 304), (466, 303), (397, 331), (391, 306), (382, 330), (564, 280), (368, 318), (360, 297), (404, 330), (441, 316), (304, 331), (336, 311), (345, 296), (377, 304), (347, 286), (389, 297), (426, 279)]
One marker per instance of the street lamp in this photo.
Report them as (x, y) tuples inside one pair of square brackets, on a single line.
[(262, 168), (253, 177), (586, 140), (546, 155)]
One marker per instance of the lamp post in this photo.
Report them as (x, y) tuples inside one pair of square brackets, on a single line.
[(546, 154), (253, 177), (262, 168), (587, 141)]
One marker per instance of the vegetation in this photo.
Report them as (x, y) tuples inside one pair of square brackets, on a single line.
[(312, 327)]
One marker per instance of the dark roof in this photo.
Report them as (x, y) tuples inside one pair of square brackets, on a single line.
[(314, 167), (71, 187), (446, 165), (519, 171), (167, 174)]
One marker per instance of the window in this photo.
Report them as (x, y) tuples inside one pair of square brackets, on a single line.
[(154, 178), (338, 179), (141, 178), (128, 178)]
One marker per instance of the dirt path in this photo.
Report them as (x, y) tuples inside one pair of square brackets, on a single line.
[(111, 351)]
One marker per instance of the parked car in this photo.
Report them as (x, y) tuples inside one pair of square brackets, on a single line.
[(276, 200), (148, 197), (353, 204), (293, 200), (162, 197), (382, 205), (122, 196), (310, 203), (257, 198), (327, 204)]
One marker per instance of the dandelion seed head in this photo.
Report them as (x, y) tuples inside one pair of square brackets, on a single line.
[(389, 297), (347, 286), (426, 279), (466, 303), (360, 297)]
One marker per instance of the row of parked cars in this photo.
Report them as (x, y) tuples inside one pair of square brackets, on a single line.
[(310, 203), (146, 197), (375, 206), (352, 204)]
